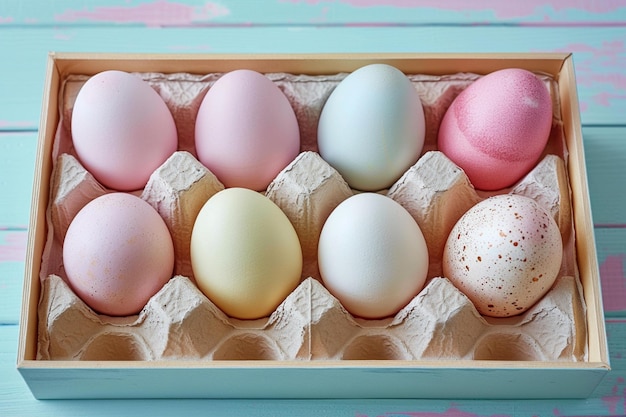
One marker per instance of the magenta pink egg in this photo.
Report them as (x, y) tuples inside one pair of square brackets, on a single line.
[(122, 130), (117, 253), (246, 130), (498, 127)]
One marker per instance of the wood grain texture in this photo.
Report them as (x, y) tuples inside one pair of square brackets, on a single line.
[(612, 263), (164, 13), (599, 53), (17, 164), (594, 31), (606, 160)]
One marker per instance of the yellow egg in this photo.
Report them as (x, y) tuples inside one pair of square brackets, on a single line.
[(245, 253)]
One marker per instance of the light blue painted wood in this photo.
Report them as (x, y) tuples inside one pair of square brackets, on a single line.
[(599, 54), (29, 30), (307, 12), (321, 382), (612, 263), (605, 154), (17, 164), (12, 255)]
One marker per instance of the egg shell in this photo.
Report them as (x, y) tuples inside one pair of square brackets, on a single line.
[(372, 255), (117, 253), (245, 254), (122, 130), (505, 254), (497, 128), (246, 131), (372, 128)]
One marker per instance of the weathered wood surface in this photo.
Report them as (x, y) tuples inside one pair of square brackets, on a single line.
[(594, 31)]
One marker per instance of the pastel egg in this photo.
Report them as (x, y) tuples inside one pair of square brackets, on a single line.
[(245, 253), (504, 254), (117, 253), (246, 130), (372, 255), (497, 128), (372, 128), (122, 130)]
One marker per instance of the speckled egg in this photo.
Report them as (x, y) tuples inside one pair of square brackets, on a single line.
[(504, 254)]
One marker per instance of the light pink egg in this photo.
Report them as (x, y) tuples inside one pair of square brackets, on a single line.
[(504, 254), (497, 128), (122, 130), (117, 254), (246, 130)]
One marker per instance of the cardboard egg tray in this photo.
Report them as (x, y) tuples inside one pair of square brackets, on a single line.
[(310, 335)]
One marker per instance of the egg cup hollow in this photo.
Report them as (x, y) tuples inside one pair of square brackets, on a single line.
[(179, 322)]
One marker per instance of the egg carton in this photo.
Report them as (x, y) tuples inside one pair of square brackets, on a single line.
[(179, 322)]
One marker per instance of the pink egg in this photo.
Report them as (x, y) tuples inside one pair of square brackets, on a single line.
[(117, 254), (122, 130), (497, 128), (246, 130)]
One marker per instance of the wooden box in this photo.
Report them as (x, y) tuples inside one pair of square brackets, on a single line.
[(361, 378)]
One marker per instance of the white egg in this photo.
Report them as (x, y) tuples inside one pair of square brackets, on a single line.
[(372, 255), (504, 254), (371, 129)]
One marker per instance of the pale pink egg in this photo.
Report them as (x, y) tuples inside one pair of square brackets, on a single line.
[(246, 130), (497, 128), (504, 254), (122, 130), (117, 254)]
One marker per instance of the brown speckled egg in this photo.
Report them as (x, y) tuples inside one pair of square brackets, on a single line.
[(504, 254)]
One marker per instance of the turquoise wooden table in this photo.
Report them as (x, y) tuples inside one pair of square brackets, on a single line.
[(594, 31)]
